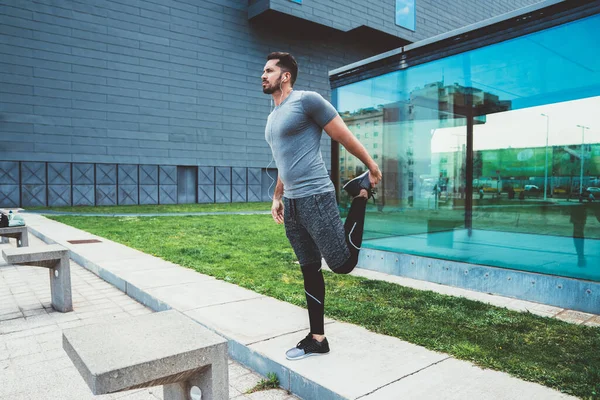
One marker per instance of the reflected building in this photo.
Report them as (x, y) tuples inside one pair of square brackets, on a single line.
[(367, 126), (410, 169)]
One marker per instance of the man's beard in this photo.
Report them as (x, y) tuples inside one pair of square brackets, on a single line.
[(274, 88)]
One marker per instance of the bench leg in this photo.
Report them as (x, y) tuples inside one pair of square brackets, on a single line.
[(213, 382), (3, 240), (60, 286), (23, 240)]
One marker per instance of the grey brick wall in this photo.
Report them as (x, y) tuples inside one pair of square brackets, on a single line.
[(156, 83), (433, 17)]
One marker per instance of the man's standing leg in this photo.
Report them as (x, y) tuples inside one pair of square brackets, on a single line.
[(314, 289), (309, 258)]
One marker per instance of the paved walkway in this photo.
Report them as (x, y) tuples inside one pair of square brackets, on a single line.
[(362, 364), (33, 364)]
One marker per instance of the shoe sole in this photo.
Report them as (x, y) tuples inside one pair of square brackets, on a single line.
[(306, 356), (351, 180)]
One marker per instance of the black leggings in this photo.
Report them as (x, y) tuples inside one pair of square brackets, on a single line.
[(354, 228), (314, 284)]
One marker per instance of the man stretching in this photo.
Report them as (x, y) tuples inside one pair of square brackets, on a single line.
[(304, 197)]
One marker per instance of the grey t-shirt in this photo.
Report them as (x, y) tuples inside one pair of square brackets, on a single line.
[(293, 131)]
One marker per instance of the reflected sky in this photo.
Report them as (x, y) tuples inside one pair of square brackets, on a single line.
[(405, 14), (551, 66), (506, 129)]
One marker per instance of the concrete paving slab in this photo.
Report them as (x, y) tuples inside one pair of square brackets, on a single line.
[(104, 252), (575, 317), (251, 321), (453, 379), (147, 279), (189, 296), (141, 263), (360, 361)]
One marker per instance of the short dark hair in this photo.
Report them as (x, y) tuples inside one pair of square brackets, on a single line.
[(286, 62)]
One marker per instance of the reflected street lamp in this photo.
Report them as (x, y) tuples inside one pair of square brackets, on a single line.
[(546, 160), (583, 128)]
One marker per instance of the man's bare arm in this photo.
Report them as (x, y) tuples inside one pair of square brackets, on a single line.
[(277, 206), (278, 193), (339, 132)]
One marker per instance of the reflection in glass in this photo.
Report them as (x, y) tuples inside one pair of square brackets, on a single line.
[(406, 14), (535, 125)]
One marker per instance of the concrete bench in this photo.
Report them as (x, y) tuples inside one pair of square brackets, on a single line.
[(54, 257), (165, 348), (17, 232)]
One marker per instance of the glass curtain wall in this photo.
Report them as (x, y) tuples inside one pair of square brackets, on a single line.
[(531, 106)]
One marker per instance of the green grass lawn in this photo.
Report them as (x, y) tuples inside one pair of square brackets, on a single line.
[(162, 208), (253, 252)]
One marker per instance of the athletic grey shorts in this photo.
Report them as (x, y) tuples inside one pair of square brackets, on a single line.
[(314, 229)]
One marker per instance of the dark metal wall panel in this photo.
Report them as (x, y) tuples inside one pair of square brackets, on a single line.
[(83, 174), (148, 188), (167, 190), (167, 194), (128, 194), (33, 195), (33, 173), (168, 175), (59, 195), (223, 185), (83, 195), (106, 184), (9, 184), (9, 173), (106, 174), (148, 174), (254, 193), (206, 193), (128, 174), (59, 184), (206, 175), (33, 184), (238, 193), (222, 194), (239, 176), (148, 194), (59, 173), (223, 176), (127, 189), (254, 176), (9, 196), (106, 195)]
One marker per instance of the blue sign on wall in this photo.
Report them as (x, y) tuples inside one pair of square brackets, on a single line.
[(406, 14), (296, 1)]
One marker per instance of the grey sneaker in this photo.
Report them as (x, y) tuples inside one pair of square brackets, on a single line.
[(354, 186), (308, 347)]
